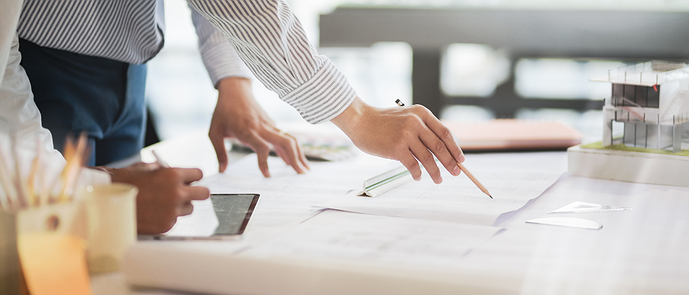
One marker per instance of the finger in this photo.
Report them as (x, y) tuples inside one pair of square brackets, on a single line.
[(287, 148), (302, 157), (412, 165), (189, 175), (422, 154), (196, 193), (218, 142), (185, 208), (262, 152), (444, 134), (436, 146)]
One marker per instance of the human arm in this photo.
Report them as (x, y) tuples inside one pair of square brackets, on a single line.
[(164, 194), (237, 114), (269, 38)]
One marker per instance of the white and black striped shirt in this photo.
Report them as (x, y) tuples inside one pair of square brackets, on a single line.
[(265, 34), (123, 30)]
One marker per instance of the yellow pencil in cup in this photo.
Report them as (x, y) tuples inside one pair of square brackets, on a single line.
[(461, 167)]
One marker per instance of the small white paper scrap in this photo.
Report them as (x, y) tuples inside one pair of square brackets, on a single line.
[(583, 207), (567, 221)]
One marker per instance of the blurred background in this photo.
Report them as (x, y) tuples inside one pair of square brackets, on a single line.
[(181, 97)]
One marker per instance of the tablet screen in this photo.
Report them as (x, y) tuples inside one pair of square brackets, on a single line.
[(233, 212), (223, 216)]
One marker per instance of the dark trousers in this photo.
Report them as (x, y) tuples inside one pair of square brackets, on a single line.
[(100, 96)]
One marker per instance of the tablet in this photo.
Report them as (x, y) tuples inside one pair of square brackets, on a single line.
[(225, 217)]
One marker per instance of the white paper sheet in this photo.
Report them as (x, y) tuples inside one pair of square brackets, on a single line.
[(457, 199), (287, 197), (337, 236)]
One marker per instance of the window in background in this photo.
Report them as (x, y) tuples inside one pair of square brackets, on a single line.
[(472, 70), (182, 98), (380, 74), (562, 78)]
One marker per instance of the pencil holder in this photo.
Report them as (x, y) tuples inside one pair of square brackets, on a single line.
[(51, 246), (68, 218), (111, 211)]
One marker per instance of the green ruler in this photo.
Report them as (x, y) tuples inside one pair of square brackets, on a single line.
[(384, 182)]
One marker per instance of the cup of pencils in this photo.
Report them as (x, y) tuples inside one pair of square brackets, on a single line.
[(50, 219)]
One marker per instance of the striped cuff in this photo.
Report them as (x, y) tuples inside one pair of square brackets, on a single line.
[(323, 97), (218, 55), (222, 61)]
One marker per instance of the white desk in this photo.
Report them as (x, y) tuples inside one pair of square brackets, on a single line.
[(643, 251)]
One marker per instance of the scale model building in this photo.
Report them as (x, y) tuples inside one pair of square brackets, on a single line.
[(651, 101)]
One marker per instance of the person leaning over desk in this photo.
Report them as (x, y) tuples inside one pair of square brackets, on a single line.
[(87, 63), (164, 194), (271, 41), (288, 64)]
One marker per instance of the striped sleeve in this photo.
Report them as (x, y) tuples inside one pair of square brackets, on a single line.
[(218, 55), (272, 43)]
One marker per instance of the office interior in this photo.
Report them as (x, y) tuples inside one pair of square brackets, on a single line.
[(181, 98), (641, 253)]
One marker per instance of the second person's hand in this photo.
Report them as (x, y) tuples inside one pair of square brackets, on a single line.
[(164, 194), (238, 115), (411, 135)]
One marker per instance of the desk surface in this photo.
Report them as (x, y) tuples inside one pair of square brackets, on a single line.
[(642, 251)]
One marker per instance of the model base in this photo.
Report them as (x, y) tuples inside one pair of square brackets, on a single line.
[(630, 166)]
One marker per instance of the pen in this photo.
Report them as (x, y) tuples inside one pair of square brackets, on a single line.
[(159, 160), (461, 167)]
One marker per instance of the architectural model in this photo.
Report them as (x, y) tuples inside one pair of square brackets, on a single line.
[(651, 99), (649, 102)]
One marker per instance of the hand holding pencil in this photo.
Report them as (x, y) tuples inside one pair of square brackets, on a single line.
[(411, 135), (461, 166)]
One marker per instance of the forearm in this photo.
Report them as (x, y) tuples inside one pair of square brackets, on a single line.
[(218, 55), (271, 41)]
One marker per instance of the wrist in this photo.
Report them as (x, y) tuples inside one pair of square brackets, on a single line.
[(352, 116), (229, 83)]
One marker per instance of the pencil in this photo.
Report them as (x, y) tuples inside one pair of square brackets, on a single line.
[(461, 167), (474, 180), (159, 160), (75, 157)]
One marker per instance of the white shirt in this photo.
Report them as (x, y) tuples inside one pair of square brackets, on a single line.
[(20, 120)]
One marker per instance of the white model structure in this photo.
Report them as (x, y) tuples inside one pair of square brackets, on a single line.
[(651, 99)]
